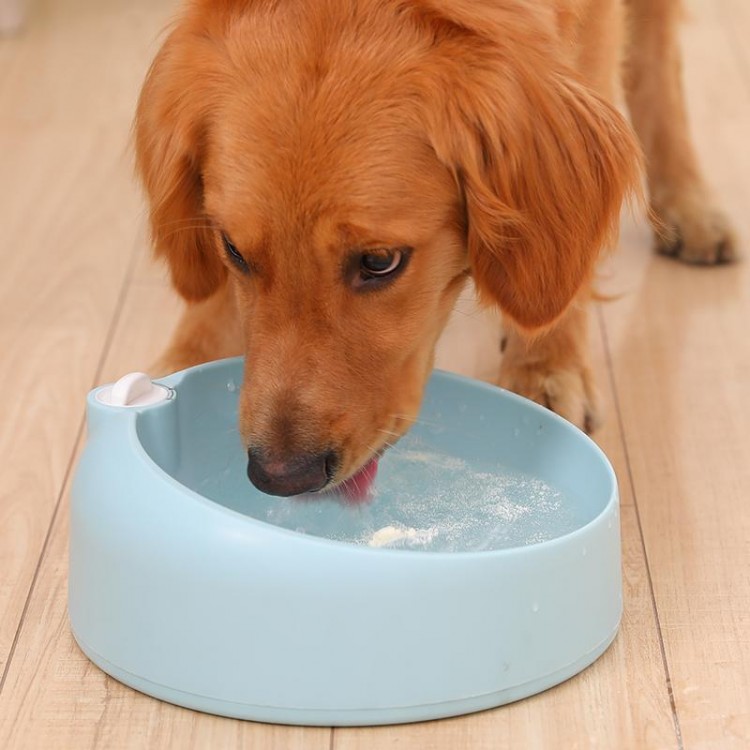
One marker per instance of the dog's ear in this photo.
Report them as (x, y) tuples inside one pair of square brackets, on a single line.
[(543, 165), (168, 132)]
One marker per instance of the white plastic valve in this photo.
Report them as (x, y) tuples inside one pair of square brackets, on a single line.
[(133, 389)]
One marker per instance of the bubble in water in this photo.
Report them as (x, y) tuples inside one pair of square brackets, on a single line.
[(584, 552), (516, 432), (535, 607), (231, 386)]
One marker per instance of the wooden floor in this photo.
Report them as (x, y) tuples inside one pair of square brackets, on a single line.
[(80, 303)]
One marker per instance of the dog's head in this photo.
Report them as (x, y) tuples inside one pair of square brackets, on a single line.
[(344, 165)]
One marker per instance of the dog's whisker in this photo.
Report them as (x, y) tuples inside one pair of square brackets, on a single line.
[(378, 447), (389, 432), (414, 421), (392, 433), (395, 447), (402, 417), (185, 229), (184, 220), (473, 314), (195, 224), (467, 432)]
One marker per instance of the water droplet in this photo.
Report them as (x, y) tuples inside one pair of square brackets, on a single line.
[(231, 386), (535, 607), (609, 524), (584, 552)]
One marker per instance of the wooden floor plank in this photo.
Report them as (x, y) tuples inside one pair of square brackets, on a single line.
[(681, 355), (66, 211)]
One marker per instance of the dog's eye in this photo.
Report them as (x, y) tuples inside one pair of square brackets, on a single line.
[(381, 264), (234, 254)]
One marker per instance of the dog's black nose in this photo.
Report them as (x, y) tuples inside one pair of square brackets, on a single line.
[(293, 476)]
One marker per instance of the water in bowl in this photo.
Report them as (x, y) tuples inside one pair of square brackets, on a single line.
[(423, 499)]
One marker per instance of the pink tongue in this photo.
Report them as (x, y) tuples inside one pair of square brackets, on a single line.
[(357, 487)]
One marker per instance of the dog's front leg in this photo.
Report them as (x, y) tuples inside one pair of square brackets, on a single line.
[(688, 223), (553, 368)]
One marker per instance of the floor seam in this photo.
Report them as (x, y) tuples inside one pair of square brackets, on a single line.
[(626, 454)]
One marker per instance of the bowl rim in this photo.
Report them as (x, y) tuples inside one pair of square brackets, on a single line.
[(174, 380)]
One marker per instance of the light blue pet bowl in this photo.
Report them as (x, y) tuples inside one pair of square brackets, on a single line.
[(485, 568)]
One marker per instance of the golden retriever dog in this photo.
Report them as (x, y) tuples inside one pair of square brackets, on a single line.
[(323, 177)]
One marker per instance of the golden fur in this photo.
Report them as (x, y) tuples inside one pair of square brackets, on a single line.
[(480, 133)]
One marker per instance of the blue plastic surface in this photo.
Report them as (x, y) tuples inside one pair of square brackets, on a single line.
[(190, 585)]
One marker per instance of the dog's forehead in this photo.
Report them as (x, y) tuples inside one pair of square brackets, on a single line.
[(320, 124), (368, 169)]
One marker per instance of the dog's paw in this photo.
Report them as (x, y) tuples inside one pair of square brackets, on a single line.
[(567, 390), (694, 231)]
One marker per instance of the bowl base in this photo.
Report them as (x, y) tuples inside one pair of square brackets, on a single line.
[(346, 717)]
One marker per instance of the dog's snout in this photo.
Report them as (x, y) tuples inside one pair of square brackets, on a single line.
[(290, 476)]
